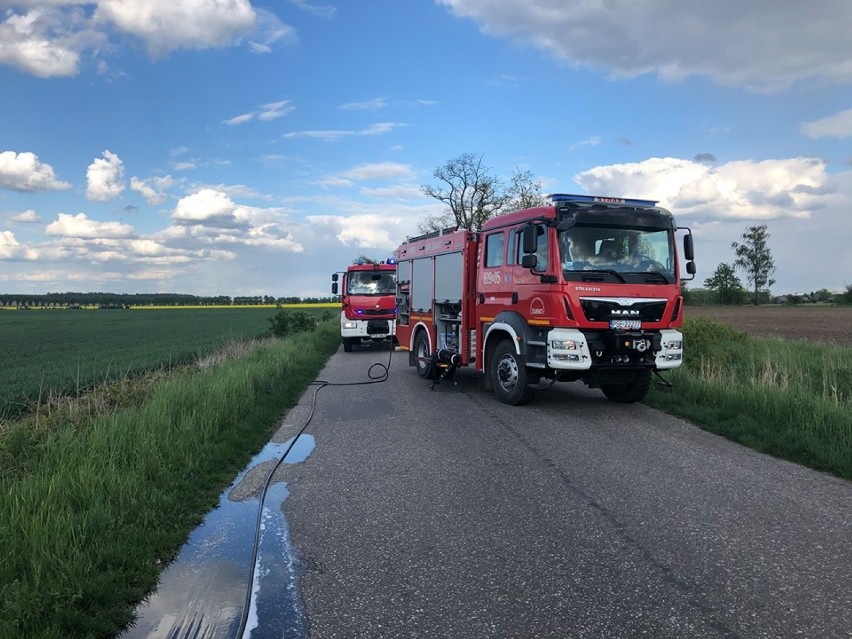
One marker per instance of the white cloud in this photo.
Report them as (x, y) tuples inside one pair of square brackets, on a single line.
[(331, 135), (24, 172), (267, 112), (26, 217), (367, 105), (80, 226), (745, 189), (166, 25), (399, 191), (275, 110), (105, 177), (46, 41), (270, 31), (11, 250), (378, 171), (324, 10), (240, 119), (210, 216), (361, 231), (152, 189), (595, 140), (762, 46), (838, 125), (207, 206)]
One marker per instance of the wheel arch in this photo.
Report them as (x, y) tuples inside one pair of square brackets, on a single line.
[(419, 327)]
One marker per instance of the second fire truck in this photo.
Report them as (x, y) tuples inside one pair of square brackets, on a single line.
[(585, 289), (367, 299)]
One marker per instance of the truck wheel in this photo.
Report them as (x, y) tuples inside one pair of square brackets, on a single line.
[(347, 344), (629, 393), (423, 357), (509, 375)]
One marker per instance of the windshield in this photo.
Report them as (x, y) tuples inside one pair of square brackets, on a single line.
[(606, 249), (371, 283)]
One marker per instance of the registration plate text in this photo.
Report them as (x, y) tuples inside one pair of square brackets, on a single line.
[(625, 324)]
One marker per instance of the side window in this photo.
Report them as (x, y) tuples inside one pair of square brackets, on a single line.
[(494, 249), (512, 252), (541, 252)]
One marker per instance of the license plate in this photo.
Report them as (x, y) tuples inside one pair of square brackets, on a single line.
[(625, 324)]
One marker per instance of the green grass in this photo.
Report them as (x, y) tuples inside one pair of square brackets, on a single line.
[(60, 352), (786, 398), (89, 506)]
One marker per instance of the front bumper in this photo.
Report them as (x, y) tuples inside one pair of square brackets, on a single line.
[(367, 329)]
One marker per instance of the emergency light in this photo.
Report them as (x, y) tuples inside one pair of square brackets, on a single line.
[(597, 199)]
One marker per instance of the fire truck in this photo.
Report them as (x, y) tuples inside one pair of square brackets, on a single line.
[(368, 303), (588, 288)]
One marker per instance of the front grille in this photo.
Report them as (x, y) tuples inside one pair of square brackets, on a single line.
[(601, 309), (371, 311), (375, 327)]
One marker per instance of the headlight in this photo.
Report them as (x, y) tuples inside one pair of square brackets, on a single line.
[(350, 325), (674, 345), (564, 345)]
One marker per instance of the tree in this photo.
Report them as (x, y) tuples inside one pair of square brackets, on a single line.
[(725, 284), (363, 259), (755, 259), (466, 187), (524, 192)]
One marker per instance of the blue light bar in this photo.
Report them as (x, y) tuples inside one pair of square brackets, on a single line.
[(391, 260), (597, 199)]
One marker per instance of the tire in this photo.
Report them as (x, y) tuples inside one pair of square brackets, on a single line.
[(347, 344), (509, 375), (630, 393), (423, 358)]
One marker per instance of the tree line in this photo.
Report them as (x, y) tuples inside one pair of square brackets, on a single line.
[(128, 300)]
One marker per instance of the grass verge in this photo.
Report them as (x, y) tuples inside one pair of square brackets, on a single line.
[(789, 399), (92, 505)]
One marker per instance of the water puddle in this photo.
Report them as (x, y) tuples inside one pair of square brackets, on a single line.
[(201, 595)]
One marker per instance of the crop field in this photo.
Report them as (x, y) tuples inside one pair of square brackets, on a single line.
[(826, 324), (53, 352)]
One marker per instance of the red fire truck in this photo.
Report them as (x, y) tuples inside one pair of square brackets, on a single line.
[(369, 307), (585, 289)]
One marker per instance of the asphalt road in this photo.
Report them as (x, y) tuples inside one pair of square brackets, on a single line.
[(447, 514)]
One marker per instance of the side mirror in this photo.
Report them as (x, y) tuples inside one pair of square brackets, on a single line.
[(530, 240), (529, 261), (690, 268), (688, 248), (334, 288), (334, 277)]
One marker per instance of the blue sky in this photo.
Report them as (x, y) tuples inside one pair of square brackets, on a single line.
[(238, 148)]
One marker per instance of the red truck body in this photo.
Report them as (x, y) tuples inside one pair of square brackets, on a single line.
[(367, 297), (586, 289)]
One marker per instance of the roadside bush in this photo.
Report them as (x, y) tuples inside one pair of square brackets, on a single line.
[(702, 334), (288, 321)]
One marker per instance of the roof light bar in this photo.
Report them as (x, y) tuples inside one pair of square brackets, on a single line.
[(596, 199)]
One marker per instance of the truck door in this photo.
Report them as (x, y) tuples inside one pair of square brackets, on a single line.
[(494, 284)]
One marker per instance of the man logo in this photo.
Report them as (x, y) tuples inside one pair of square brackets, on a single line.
[(625, 312)]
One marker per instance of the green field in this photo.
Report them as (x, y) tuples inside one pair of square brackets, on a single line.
[(56, 352)]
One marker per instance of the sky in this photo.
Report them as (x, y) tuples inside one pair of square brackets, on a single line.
[(231, 147)]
